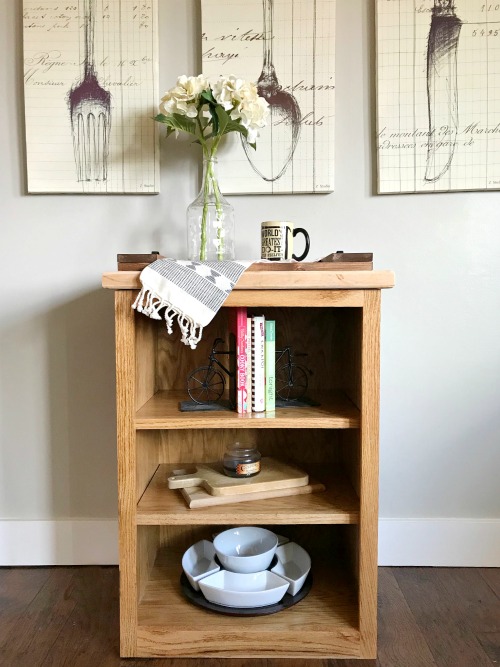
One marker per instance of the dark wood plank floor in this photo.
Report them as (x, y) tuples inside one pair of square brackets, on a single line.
[(428, 617)]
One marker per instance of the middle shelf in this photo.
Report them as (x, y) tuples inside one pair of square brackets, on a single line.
[(338, 504), (162, 411)]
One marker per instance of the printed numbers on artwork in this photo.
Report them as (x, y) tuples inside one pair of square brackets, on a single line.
[(485, 33)]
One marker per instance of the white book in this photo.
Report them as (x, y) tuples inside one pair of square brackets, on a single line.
[(258, 361), (249, 364)]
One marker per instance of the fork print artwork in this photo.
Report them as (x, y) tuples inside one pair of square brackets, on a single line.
[(90, 110), (91, 89)]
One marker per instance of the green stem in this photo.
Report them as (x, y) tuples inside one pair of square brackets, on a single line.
[(206, 194), (220, 215)]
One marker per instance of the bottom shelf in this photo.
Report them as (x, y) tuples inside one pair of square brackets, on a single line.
[(323, 624)]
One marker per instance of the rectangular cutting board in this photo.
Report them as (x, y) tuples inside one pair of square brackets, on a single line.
[(196, 497), (210, 477)]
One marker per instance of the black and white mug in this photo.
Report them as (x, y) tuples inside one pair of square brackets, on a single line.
[(277, 241)]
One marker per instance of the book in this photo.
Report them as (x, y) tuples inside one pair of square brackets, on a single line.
[(270, 364), (238, 335), (249, 364), (258, 369)]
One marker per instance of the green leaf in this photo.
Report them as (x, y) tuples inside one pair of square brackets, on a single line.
[(160, 118), (208, 96), (236, 126), (177, 122), (224, 119), (215, 118)]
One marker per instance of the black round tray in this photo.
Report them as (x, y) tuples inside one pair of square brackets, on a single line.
[(197, 598)]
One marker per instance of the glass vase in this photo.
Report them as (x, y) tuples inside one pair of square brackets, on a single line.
[(210, 220)]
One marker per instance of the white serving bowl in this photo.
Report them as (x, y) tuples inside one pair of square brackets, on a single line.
[(235, 589), (198, 562), (246, 549), (294, 564)]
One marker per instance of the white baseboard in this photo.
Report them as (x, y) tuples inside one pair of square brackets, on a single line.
[(402, 542), (439, 542), (69, 542)]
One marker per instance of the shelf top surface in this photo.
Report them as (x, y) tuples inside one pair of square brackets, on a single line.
[(278, 280)]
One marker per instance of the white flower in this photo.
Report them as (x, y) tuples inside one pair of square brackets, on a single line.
[(253, 116), (239, 98), (224, 89), (184, 97)]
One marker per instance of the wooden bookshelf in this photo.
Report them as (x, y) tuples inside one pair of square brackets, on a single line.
[(335, 317)]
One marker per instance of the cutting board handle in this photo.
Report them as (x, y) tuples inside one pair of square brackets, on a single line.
[(184, 481)]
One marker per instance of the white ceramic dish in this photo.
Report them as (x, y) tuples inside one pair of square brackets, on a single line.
[(235, 589), (294, 564), (281, 538), (198, 562), (246, 549)]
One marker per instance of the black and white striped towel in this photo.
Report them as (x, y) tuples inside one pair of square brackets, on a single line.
[(190, 291)]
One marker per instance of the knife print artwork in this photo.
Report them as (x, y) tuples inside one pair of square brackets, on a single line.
[(438, 95), (442, 91)]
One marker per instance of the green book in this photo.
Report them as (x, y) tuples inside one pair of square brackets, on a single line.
[(270, 364)]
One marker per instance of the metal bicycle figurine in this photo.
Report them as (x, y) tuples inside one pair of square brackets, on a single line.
[(206, 384), (291, 378)]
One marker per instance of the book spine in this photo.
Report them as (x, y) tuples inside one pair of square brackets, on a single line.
[(258, 370), (249, 364), (238, 327), (241, 359), (270, 364)]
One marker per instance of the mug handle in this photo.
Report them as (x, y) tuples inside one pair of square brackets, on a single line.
[(306, 238)]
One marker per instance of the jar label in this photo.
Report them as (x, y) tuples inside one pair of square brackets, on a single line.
[(248, 468)]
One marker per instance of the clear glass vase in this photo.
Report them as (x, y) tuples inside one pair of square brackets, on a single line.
[(210, 220)]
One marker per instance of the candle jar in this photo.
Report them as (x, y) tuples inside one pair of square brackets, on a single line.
[(241, 460)]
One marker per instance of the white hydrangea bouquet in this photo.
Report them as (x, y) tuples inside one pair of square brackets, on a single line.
[(209, 110)]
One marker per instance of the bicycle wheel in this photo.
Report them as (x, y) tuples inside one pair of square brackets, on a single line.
[(205, 385), (291, 382)]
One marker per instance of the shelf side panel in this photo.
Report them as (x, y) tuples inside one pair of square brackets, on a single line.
[(126, 446), (369, 456), (145, 358)]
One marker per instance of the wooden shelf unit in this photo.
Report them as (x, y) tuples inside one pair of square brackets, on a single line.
[(335, 318)]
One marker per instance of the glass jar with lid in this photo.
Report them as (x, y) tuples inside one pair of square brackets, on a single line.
[(241, 460)]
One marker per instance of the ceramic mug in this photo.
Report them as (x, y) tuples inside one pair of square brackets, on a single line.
[(277, 240)]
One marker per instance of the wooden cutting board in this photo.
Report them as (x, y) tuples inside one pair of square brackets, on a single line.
[(196, 497), (210, 477)]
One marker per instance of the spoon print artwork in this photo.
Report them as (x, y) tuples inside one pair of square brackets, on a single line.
[(278, 140)]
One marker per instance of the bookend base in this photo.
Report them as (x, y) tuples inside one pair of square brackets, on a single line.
[(301, 403), (191, 406)]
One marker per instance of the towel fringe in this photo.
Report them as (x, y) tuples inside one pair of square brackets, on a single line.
[(150, 303)]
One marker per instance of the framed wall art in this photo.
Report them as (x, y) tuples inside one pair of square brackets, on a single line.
[(287, 47), (91, 89), (438, 95)]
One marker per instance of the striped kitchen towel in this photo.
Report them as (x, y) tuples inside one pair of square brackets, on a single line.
[(188, 290)]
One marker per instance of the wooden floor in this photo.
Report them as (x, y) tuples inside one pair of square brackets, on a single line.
[(428, 617)]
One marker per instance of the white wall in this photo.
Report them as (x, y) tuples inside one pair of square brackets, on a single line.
[(440, 409)]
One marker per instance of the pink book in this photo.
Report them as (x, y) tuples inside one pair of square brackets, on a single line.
[(239, 329)]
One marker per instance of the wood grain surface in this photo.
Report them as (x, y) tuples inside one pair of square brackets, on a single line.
[(266, 280)]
